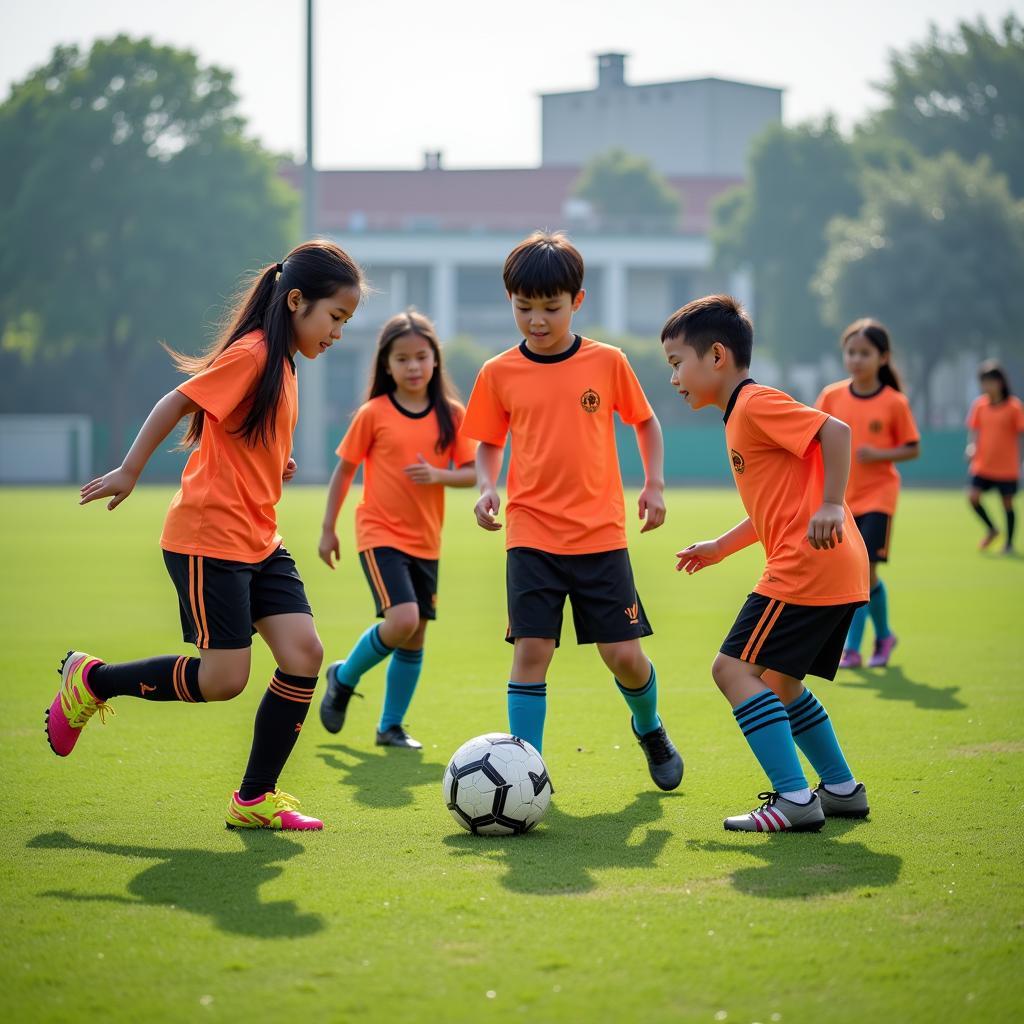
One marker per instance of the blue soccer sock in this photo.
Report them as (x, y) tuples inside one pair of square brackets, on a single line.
[(879, 607), (644, 704), (403, 675), (369, 650), (527, 706), (765, 725), (814, 735), (855, 637)]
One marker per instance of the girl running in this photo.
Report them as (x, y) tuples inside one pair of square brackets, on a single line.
[(408, 434), (872, 402), (220, 541), (995, 423)]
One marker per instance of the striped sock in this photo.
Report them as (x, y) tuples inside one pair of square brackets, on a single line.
[(879, 607), (403, 675), (278, 724), (369, 650), (765, 724), (163, 678), (814, 735), (644, 704), (527, 707)]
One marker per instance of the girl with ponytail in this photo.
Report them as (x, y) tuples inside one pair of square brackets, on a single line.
[(220, 543)]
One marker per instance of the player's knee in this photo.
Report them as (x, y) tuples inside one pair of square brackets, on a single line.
[(308, 655), (403, 622), (223, 685), (721, 671)]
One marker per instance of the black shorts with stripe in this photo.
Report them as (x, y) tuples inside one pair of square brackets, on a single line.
[(398, 578), (220, 601), (876, 529), (795, 639)]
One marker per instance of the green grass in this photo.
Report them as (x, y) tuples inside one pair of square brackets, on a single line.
[(125, 899)]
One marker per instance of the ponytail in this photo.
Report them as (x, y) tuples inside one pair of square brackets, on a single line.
[(877, 334)]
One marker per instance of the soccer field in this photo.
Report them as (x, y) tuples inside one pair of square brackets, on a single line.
[(125, 898)]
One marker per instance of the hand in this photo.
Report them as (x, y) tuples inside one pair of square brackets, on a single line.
[(289, 470), (330, 549), (652, 507), (486, 509), (118, 482), (827, 520), (422, 472), (698, 556), (865, 453), (970, 451)]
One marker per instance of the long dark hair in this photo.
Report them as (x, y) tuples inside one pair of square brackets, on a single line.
[(876, 333), (440, 390), (991, 369), (318, 269)]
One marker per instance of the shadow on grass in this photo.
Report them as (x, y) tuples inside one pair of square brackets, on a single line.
[(384, 779), (221, 886), (892, 684), (561, 857), (800, 865)]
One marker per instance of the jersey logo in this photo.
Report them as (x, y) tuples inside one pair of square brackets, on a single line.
[(633, 613), (590, 400), (875, 426), (738, 464)]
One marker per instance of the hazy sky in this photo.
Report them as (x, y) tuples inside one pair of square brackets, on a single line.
[(397, 77)]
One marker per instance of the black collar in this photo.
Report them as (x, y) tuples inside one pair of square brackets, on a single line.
[(870, 394), (406, 412), (736, 394), (560, 357)]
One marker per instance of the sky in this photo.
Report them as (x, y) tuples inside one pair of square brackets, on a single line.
[(396, 78)]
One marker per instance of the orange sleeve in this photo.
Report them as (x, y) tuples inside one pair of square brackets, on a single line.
[(629, 402), (972, 414), (464, 447), (486, 419), (225, 383), (1020, 417), (906, 427), (358, 439), (784, 421)]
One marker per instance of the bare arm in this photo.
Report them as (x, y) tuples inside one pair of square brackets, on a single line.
[(422, 472), (902, 453), (488, 468), (337, 491), (825, 528), (972, 444), (709, 552), (120, 482), (651, 443)]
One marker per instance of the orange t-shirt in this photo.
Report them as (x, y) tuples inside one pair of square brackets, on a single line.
[(879, 420), (564, 485), (999, 426), (776, 461), (396, 512), (225, 507)]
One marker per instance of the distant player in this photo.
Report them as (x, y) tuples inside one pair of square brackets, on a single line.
[(872, 403), (555, 394), (995, 423), (220, 542), (790, 464), (408, 437)]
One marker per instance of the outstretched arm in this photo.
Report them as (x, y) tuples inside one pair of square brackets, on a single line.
[(488, 468), (901, 453), (120, 482), (825, 529), (422, 472), (337, 491), (709, 552), (651, 443)]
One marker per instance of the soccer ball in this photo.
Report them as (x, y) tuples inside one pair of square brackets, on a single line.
[(497, 785)]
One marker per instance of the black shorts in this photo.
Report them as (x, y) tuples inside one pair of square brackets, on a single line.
[(795, 639), (606, 608), (220, 600), (875, 528), (398, 578), (1007, 488)]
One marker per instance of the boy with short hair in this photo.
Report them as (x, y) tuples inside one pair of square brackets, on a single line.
[(790, 464), (555, 394)]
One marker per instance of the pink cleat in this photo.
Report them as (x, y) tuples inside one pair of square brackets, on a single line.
[(988, 540), (275, 810), (74, 704), (883, 649), (850, 658)]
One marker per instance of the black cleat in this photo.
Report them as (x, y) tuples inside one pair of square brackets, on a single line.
[(335, 700), (663, 760), (396, 736)]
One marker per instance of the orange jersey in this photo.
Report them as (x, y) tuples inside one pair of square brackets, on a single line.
[(229, 489), (776, 461), (564, 485), (997, 448), (879, 420), (396, 512)]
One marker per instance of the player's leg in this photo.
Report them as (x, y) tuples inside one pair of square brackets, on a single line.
[(401, 680), (855, 638), (877, 541), (974, 493), (527, 688), (1008, 491)]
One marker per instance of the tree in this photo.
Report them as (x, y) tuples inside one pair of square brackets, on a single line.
[(937, 253), (133, 200), (962, 92), (628, 193)]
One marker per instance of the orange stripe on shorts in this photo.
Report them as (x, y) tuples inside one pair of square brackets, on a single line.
[(382, 593), (753, 633), (202, 604), (767, 630), (192, 599)]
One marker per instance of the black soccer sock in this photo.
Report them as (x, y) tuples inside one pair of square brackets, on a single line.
[(163, 678), (979, 510), (1011, 524), (278, 724)]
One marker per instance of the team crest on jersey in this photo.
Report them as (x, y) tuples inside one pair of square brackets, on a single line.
[(590, 400), (875, 426), (738, 464)]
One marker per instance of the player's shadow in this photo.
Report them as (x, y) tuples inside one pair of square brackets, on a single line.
[(221, 886), (892, 684), (562, 855), (797, 865), (385, 779)]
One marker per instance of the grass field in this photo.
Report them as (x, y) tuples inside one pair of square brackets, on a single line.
[(124, 898)]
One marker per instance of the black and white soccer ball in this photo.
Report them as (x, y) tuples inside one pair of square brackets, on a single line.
[(497, 785)]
